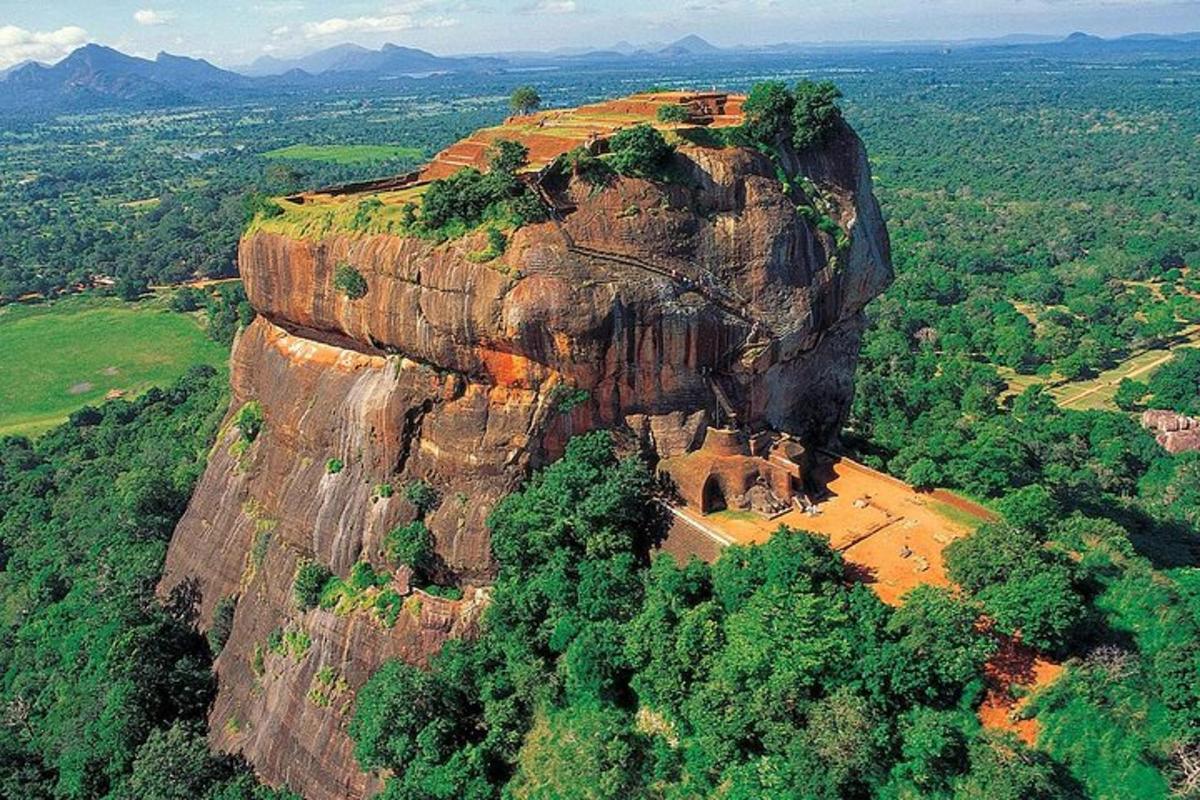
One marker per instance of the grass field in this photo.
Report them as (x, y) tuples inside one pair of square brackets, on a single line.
[(60, 356), (346, 154), (1098, 392)]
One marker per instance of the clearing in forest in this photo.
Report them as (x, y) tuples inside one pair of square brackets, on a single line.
[(346, 154), (1014, 674), (77, 351), (1098, 392), (891, 535)]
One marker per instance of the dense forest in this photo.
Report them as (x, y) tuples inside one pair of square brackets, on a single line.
[(104, 689), (772, 674)]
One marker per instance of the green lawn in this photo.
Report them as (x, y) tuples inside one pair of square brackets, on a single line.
[(60, 356), (346, 154), (956, 515)]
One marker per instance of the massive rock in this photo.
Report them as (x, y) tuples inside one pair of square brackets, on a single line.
[(652, 308)]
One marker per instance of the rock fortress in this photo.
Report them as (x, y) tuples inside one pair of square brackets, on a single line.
[(711, 321)]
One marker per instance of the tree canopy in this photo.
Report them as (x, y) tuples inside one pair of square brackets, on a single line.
[(524, 100)]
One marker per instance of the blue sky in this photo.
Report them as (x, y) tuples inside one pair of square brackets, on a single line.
[(231, 32)]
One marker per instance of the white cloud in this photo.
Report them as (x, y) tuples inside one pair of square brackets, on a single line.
[(385, 23), (279, 7), (282, 30), (550, 7), (150, 17), (18, 44)]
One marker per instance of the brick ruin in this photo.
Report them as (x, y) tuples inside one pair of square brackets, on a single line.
[(1174, 432), (767, 473)]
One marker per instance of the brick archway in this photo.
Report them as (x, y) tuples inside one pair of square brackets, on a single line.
[(713, 496)]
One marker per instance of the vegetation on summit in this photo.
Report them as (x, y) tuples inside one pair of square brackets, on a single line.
[(524, 100)]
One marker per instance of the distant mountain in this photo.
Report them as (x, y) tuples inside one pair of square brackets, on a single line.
[(95, 77), (313, 63), (16, 67), (1190, 36), (389, 60), (691, 45), (1084, 44)]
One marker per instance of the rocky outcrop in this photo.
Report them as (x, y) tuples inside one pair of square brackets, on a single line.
[(1174, 432), (653, 308)]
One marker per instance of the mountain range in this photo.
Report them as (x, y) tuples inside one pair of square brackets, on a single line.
[(95, 76), (389, 60)]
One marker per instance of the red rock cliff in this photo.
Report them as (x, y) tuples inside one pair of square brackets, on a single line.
[(650, 298)]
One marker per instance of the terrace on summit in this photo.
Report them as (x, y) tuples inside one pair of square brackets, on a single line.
[(548, 134)]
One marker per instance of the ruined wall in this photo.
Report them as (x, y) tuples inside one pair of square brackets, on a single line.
[(454, 372)]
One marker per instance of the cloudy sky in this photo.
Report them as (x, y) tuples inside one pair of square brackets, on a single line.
[(231, 32)]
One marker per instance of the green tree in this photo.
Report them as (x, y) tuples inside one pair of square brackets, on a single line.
[(1024, 586), (846, 735), (768, 112), (923, 473), (933, 750), (673, 114), (187, 299), (1032, 508), (422, 496), (1130, 394), (310, 580), (1001, 768), (507, 156), (524, 100), (583, 752), (1176, 384), (816, 113), (349, 281), (249, 420), (132, 287), (222, 624), (175, 764), (417, 723), (938, 650), (411, 545), (640, 151)]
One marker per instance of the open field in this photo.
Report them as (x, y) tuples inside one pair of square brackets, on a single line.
[(1098, 392), (77, 351), (345, 154), (1013, 674), (891, 535)]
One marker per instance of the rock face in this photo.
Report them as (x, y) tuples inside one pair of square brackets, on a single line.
[(651, 308), (1174, 432)]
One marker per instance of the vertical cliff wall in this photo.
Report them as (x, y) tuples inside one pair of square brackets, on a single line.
[(634, 311)]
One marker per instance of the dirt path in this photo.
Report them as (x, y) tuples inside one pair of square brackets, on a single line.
[(1113, 382), (194, 283), (1188, 337), (1014, 669)]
